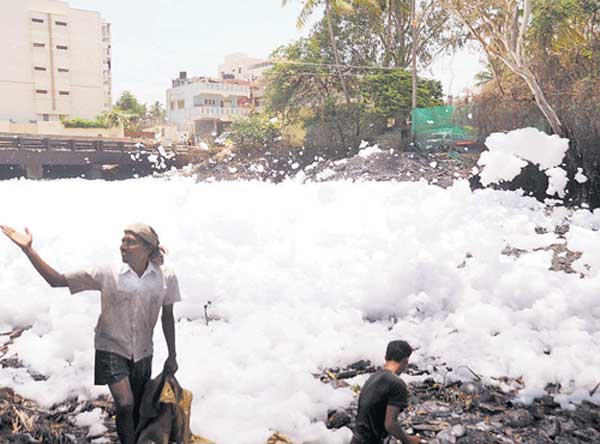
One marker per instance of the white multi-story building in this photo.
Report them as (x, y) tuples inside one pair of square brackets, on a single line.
[(203, 105), (57, 61), (240, 66)]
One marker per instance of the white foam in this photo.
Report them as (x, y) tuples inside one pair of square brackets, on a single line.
[(301, 277)]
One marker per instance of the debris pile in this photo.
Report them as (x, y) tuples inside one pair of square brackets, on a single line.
[(475, 413), (439, 167), (24, 422)]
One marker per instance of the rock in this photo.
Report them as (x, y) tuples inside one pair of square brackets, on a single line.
[(537, 411), (347, 374), (429, 427), (563, 440), (471, 388), (23, 438), (567, 426), (548, 401), (338, 420), (491, 408), (551, 426), (360, 365), (70, 438), (561, 230), (477, 437), (446, 436), (436, 409), (450, 435), (518, 418), (588, 435), (458, 430)]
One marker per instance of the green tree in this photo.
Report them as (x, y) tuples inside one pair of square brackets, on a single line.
[(129, 103), (331, 6), (254, 131), (302, 89), (502, 27), (78, 122), (117, 117), (389, 93)]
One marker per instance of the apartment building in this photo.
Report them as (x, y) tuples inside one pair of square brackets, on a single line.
[(239, 66), (204, 105), (57, 61)]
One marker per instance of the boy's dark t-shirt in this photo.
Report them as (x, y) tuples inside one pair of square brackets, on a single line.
[(383, 388)]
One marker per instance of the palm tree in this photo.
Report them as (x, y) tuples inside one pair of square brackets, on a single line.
[(157, 112), (339, 6)]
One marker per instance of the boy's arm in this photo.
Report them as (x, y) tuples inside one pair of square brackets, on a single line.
[(394, 428), (25, 241)]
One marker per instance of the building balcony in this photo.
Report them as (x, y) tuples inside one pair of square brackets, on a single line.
[(216, 88), (215, 112), (240, 89)]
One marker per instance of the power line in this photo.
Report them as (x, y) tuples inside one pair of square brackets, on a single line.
[(333, 65)]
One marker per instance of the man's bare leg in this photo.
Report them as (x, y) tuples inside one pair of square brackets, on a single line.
[(124, 406)]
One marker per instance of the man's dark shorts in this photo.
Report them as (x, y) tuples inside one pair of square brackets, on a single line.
[(110, 368)]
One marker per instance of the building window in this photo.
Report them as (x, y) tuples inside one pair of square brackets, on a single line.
[(37, 20), (41, 91), (39, 45), (181, 104), (63, 70), (64, 93), (39, 68), (61, 23), (62, 47), (45, 117), (173, 105)]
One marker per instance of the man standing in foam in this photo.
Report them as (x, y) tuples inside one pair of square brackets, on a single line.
[(382, 398), (132, 296)]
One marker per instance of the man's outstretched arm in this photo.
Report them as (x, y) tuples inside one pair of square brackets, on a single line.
[(24, 241), (394, 428)]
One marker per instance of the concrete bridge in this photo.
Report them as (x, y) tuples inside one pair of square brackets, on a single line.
[(35, 153)]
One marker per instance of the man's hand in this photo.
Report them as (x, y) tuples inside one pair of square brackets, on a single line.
[(416, 440), (171, 366), (23, 240)]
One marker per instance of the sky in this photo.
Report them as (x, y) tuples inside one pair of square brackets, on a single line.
[(152, 40)]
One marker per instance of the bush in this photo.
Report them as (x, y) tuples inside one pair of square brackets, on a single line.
[(254, 131), (83, 123), (338, 130)]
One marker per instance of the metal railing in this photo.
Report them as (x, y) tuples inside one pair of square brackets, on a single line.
[(53, 144), (210, 111), (222, 87)]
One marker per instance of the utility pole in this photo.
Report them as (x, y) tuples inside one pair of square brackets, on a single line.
[(413, 13)]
